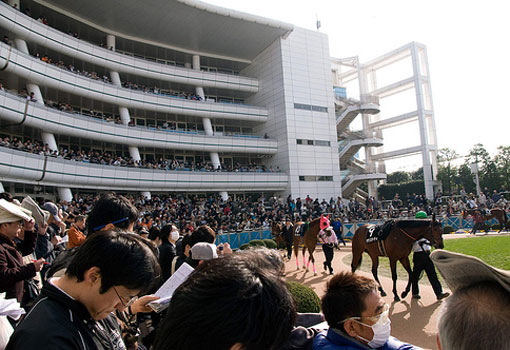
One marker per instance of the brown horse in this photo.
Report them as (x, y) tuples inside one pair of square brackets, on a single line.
[(309, 241), (276, 231), (496, 213), (397, 247)]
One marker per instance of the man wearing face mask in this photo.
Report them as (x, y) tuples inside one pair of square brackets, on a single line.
[(357, 316), (168, 236)]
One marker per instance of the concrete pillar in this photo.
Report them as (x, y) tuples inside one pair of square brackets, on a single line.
[(2, 188), (422, 122), (115, 78), (49, 138), (21, 45), (215, 159), (134, 153), (65, 194), (37, 93), (110, 42), (125, 117)]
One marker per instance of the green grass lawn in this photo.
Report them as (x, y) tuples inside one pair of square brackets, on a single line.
[(494, 250)]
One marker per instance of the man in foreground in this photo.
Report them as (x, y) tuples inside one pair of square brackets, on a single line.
[(76, 310), (477, 314), (357, 316), (237, 301)]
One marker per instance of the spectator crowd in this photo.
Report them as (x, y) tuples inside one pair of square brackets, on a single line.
[(105, 158)]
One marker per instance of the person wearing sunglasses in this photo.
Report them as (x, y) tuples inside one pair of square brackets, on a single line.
[(357, 316)]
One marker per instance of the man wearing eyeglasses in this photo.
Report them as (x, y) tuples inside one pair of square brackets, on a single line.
[(76, 311), (357, 316)]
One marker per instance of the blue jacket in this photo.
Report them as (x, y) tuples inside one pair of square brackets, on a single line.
[(334, 340)]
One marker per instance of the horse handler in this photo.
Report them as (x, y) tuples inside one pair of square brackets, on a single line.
[(329, 242), (287, 232), (422, 261)]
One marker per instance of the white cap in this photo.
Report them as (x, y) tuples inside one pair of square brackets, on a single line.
[(203, 251)]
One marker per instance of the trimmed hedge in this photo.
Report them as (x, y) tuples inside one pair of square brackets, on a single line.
[(257, 243), (448, 229), (244, 246), (270, 243), (305, 298)]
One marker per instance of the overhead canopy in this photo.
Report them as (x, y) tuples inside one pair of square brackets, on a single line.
[(187, 25)]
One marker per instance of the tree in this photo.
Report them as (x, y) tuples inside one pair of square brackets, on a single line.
[(503, 163), (398, 177), (446, 171), (488, 171)]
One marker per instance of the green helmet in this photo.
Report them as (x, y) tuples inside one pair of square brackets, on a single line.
[(421, 215)]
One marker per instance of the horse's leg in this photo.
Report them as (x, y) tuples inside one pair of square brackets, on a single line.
[(393, 266), (312, 258), (407, 265), (375, 264), (296, 254), (308, 262)]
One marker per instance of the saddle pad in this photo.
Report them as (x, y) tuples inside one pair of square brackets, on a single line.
[(379, 233), (299, 230)]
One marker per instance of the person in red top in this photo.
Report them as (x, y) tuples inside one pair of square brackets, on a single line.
[(479, 224), (75, 233)]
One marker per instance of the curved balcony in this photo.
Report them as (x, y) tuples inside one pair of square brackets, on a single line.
[(18, 166), (39, 72), (17, 110), (32, 30)]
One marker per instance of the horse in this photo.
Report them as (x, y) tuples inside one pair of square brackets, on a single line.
[(309, 241), (496, 213), (276, 231), (397, 247)]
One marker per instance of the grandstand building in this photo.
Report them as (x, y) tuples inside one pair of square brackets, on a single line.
[(172, 96), (181, 81)]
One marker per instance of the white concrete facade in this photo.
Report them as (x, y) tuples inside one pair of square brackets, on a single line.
[(294, 71), (286, 89)]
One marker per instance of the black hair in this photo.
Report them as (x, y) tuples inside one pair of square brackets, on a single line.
[(345, 297), (110, 208), (230, 300), (123, 258), (153, 233), (7, 196), (203, 234), (165, 232)]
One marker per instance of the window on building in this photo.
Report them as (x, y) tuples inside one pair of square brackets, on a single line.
[(322, 143)]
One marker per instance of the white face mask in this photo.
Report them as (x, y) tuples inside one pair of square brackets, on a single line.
[(381, 329), (174, 235)]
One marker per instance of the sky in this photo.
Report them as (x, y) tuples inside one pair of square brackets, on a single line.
[(467, 46)]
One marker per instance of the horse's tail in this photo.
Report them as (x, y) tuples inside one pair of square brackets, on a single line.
[(354, 268), (357, 248)]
